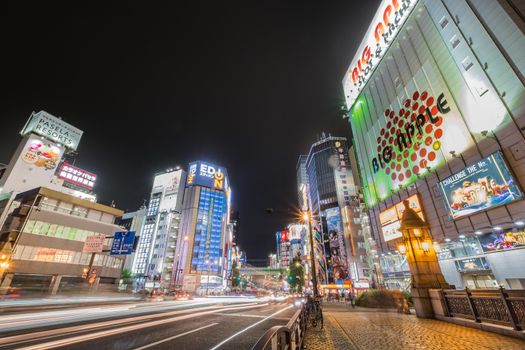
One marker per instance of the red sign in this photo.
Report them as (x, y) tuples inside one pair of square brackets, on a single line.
[(284, 236), (77, 176)]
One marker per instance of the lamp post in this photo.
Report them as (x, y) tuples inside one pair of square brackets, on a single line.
[(422, 261), (307, 216)]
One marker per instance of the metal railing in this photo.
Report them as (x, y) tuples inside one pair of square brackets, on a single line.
[(289, 337), (498, 306)]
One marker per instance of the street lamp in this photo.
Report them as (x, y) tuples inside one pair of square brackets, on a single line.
[(307, 216)]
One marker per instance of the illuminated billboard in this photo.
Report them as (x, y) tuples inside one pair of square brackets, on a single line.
[(77, 176), (390, 219), (33, 165), (53, 128), (413, 111), (382, 30), (481, 186), (496, 241), (334, 226), (207, 175)]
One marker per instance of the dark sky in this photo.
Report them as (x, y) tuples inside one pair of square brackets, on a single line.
[(245, 84)]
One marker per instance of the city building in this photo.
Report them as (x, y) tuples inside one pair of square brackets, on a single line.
[(435, 102), (154, 258), (58, 243), (204, 244), (302, 183), (333, 199), (283, 245)]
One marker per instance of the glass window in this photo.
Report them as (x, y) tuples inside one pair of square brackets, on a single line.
[(36, 228), (30, 224), (72, 233), (52, 230)]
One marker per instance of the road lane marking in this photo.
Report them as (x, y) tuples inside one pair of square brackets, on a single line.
[(175, 337), (106, 333), (241, 315), (245, 329)]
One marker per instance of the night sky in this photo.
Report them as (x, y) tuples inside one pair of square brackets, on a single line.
[(245, 84)]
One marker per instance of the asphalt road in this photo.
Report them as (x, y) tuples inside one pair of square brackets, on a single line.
[(200, 324)]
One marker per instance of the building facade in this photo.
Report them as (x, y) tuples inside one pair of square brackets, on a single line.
[(436, 105), (333, 199), (204, 245), (47, 235), (153, 261)]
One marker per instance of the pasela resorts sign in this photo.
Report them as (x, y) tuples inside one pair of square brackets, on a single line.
[(53, 128)]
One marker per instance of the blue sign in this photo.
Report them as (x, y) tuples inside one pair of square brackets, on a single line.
[(483, 185), (123, 243), (207, 175)]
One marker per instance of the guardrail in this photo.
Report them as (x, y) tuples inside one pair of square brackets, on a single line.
[(500, 306), (289, 337)]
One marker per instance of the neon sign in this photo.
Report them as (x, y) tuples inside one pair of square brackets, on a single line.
[(386, 24)]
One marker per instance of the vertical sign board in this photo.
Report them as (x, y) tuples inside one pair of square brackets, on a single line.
[(123, 243)]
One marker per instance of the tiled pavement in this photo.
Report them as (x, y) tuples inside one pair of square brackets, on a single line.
[(359, 329)]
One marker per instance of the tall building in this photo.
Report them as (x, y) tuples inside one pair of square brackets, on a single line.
[(204, 245), (283, 245), (153, 260), (435, 100), (302, 183), (334, 201)]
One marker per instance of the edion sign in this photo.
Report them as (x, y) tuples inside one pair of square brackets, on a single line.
[(386, 23), (77, 176)]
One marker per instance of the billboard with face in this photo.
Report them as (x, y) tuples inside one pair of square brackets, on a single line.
[(483, 185), (337, 246), (207, 175)]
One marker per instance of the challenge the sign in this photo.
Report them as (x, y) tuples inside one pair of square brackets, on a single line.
[(386, 24), (53, 128)]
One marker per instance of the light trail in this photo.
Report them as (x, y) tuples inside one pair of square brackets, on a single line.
[(17, 322), (106, 333), (175, 337), (251, 326)]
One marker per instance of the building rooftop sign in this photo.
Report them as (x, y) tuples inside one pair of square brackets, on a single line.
[(207, 175), (77, 176), (385, 25), (53, 128)]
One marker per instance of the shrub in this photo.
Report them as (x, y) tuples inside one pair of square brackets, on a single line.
[(381, 298)]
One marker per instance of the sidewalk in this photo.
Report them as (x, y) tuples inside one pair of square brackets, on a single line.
[(361, 328)]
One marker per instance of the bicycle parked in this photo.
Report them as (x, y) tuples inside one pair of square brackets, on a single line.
[(314, 312)]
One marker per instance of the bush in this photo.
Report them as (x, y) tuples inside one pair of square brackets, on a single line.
[(382, 298)]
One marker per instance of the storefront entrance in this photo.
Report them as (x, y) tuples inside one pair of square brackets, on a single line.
[(479, 281)]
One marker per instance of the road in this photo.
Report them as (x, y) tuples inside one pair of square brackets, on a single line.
[(219, 323)]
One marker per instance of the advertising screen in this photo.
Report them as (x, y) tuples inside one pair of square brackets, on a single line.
[(208, 175), (337, 247), (391, 218), (496, 241), (472, 264), (53, 128), (483, 185), (77, 176)]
